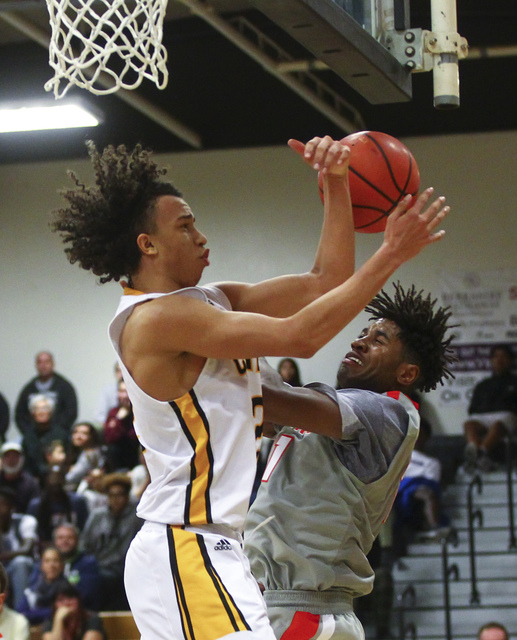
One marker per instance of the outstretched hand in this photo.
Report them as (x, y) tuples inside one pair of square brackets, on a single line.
[(324, 154), (410, 229)]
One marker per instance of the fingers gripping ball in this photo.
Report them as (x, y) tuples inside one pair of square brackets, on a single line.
[(382, 171)]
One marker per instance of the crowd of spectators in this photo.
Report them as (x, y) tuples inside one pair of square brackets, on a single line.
[(69, 490), (68, 496)]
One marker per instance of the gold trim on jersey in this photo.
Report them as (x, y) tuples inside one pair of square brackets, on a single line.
[(207, 609), (195, 426), (129, 291)]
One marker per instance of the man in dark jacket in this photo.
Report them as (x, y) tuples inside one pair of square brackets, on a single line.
[(107, 535), (54, 386), (492, 411)]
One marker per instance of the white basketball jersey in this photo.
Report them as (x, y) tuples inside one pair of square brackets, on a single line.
[(200, 449)]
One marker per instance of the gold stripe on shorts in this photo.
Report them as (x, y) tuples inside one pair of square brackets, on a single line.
[(195, 426), (207, 609)]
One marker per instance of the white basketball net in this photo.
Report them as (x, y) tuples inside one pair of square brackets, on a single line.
[(102, 45)]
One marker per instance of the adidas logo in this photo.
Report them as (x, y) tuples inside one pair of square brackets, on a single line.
[(223, 545)]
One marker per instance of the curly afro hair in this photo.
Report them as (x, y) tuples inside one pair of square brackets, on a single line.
[(100, 225), (422, 332)]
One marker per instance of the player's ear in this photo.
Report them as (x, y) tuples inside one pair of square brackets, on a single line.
[(407, 374), (145, 244)]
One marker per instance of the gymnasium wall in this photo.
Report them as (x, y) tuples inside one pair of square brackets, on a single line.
[(261, 212)]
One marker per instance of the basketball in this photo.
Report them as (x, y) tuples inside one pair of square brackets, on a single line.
[(382, 171)]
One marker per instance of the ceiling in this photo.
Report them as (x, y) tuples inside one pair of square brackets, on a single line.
[(225, 99)]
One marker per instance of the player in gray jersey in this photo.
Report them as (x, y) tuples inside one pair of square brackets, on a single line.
[(332, 476)]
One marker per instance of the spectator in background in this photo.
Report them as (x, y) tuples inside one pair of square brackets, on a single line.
[(42, 431), (12, 475), (417, 505), (92, 489), (55, 387), (18, 544), (36, 604), (107, 535), (56, 505), (4, 417), (13, 626), (81, 569), (492, 412), (123, 448), (55, 455), (87, 453), (493, 631), (290, 372), (70, 620), (108, 397)]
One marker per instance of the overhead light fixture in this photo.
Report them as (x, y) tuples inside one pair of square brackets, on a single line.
[(38, 117)]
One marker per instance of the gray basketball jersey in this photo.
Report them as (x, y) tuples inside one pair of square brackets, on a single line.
[(322, 501)]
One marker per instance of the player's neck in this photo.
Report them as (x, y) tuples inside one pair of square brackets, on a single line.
[(149, 281)]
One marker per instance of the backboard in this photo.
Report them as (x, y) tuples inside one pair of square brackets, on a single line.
[(344, 34)]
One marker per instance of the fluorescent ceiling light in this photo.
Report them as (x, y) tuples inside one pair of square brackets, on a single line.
[(36, 118)]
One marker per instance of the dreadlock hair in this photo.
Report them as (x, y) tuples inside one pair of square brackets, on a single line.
[(422, 332), (101, 223)]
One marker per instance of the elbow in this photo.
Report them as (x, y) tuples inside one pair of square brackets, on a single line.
[(298, 338), (309, 350), (323, 282), (304, 346)]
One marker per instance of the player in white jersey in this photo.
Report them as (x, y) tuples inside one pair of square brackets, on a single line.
[(333, 475), (189, 359)]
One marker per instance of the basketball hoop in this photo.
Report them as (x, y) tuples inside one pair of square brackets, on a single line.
[(103, 45)]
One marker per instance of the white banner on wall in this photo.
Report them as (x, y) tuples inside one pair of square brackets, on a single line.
[(484, 305)]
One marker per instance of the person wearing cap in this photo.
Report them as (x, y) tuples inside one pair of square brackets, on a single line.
[(18, 543), (14, 476)]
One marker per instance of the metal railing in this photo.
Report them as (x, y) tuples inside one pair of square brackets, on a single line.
[(447, 571), (473, 516), (407, 600), (509, 448)]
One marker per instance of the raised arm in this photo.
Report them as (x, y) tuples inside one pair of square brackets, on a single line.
[(335, 255), (166, 329)]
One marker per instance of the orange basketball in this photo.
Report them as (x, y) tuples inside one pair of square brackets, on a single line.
[(382, 171)]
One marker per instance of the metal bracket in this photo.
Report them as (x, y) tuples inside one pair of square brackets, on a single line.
[(408, 48), (437, 43), (415, 48)]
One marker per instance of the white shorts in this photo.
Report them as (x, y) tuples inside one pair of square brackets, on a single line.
[(193, 583), (507, 418)]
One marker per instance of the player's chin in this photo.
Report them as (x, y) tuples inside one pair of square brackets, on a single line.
[(345, 377)]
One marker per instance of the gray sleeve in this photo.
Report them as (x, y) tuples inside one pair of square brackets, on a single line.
[(349, 420), (374, 427)]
